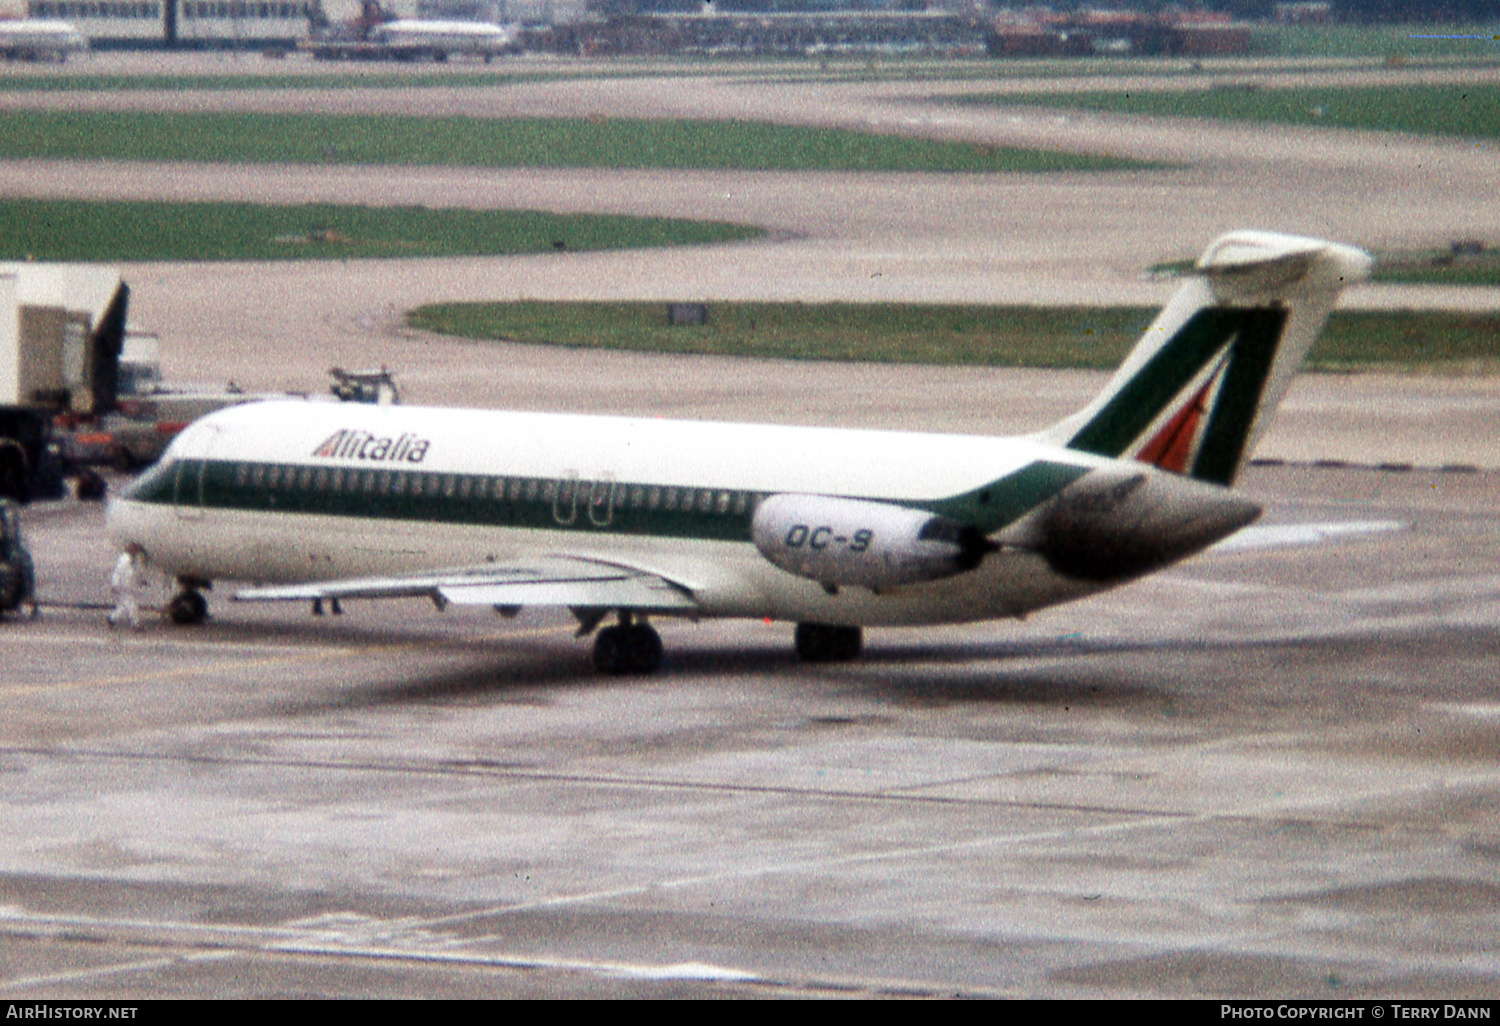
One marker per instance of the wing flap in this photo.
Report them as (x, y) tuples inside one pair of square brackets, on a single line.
[(561, 581), (640, 592)]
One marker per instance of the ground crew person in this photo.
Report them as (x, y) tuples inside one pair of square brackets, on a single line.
[(17, 572), (127, 582)]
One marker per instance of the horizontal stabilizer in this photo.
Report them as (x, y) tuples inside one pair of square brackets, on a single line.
[(1275, 536)]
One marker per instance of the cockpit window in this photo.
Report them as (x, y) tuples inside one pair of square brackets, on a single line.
[(152, 482)]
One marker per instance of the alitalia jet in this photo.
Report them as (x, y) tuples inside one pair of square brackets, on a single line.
[(834, 530)]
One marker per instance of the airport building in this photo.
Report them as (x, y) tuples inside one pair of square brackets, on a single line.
[(815, 28), (263, 24), (759, 33), (189, 24)]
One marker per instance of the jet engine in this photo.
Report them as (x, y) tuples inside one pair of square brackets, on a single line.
[(1120, 522), (867, 544)]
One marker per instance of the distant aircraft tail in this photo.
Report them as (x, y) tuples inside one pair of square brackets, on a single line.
[(1200, 387)]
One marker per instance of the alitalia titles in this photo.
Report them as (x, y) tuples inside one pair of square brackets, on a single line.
[(345, 444)]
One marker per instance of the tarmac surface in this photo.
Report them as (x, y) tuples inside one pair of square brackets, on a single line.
[(1263, 773)]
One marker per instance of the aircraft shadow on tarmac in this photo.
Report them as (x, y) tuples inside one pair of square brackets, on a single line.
[(518, 670), (1065, 670)]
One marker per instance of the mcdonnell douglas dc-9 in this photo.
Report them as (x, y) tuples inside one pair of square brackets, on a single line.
[(831, 529)]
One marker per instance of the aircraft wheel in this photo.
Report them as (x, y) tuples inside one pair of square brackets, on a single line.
[(825, 643), (12, 587), (644, 645), (188, 608), (632, 650), (13, 473), (91, 487), (607, 650)]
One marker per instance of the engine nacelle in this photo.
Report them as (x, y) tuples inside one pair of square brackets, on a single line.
[(865, 544)]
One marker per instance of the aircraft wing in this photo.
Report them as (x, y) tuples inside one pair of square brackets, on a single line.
[(573, 581)]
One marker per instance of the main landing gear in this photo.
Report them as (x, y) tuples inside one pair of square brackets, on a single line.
[(826, 643), (629, 649), (188, 606), (634, 649)]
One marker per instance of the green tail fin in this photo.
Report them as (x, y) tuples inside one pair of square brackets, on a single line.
[(1198, 390)]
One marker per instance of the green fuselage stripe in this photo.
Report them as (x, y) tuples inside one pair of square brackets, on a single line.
[(550, 504)]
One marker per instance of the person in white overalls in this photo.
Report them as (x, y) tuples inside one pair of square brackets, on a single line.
[(127, 582)]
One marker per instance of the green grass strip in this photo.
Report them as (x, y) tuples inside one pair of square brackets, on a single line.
[(1471, 111), (508, 142), (1409, 340), (1003, 336), (1393, 42), (71, 230), (895, 333)]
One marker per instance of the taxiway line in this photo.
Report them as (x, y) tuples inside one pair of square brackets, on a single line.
[(906, 794), (224, 943)]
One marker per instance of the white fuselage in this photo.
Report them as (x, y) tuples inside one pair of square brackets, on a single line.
[(662, 497), (36, 38), (445, 37)]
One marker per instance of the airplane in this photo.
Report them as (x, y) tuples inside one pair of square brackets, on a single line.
[(831, 529), (33, 39), (410, 39)]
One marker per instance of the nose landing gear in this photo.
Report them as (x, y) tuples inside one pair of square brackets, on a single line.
[(188, 606)]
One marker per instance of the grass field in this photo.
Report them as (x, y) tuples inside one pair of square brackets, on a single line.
[(1471, 111), (1418, 42), (510, 142), (68, 230), (1012, 336), (1450, 266)]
